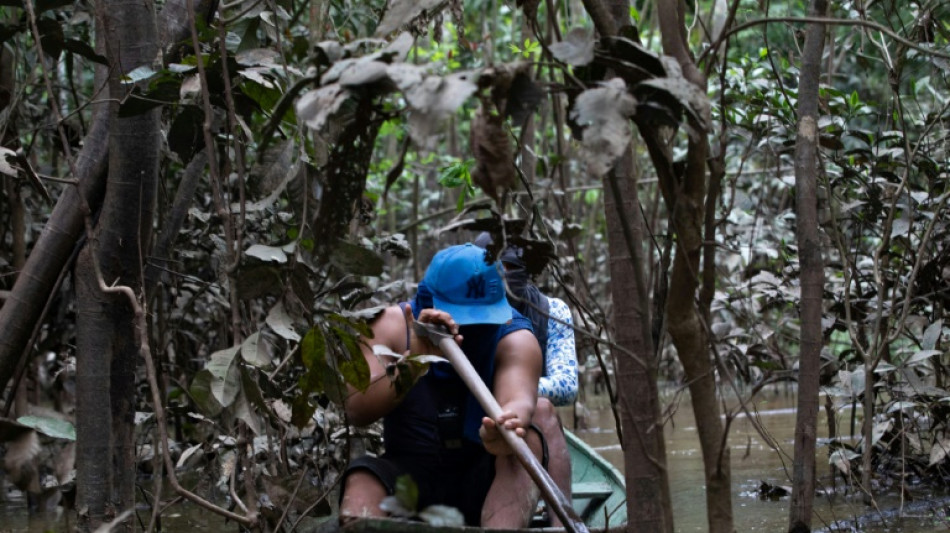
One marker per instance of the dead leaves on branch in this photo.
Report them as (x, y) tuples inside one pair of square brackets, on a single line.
[(494, 169), (646, 85), (604, 113), (429, 99)]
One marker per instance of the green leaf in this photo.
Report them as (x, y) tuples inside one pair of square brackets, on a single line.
[(634, 14), (457, 174), (407, 492), (200, 392), (356, 320), (302, 410), (225, 374), (51, 427), (356, 373), (313, 348), (357, 260)]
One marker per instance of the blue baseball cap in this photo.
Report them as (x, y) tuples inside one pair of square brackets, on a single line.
[(467, 287)]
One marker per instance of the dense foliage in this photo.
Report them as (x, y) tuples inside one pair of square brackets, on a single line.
[(352, 140)]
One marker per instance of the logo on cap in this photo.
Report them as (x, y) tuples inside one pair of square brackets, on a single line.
[(476, 287)]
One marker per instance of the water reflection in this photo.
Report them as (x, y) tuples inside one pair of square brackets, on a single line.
[(754, 462)]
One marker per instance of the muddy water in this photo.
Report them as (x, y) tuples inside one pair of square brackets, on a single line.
[(754, 461)]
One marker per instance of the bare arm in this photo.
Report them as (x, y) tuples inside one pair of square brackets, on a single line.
[(389, 330), (517, 370)]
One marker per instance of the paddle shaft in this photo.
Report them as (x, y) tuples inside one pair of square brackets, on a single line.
[(549, 491)]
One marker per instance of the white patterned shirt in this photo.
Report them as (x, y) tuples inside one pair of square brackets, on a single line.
[(559, 380)]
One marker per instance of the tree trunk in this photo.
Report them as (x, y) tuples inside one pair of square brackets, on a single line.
[(648, 496), (52, 251), (812, 275), (107, 348), (685, 321)]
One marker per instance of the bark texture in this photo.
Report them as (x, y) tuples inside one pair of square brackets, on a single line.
[(686, 196), (812, 275), (648, 496), (49, 256), (107, 340)]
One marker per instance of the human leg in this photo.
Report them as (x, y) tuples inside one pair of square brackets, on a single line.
[(366, 482), (559, 458), (362, 494), (513, 495)]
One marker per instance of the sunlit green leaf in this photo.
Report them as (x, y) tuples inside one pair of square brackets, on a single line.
[(51, 427)]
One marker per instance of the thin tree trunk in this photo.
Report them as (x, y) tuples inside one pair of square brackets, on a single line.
[(107, 350), (53, 249), (648, 497), (685, 320), (93, 406), (49, 256), (812, 275)]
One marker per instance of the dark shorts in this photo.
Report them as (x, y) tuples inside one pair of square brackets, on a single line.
[(459, 480)]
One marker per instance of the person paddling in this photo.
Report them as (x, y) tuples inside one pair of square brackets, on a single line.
[(436, 432)]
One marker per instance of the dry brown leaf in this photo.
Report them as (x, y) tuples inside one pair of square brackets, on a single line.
[(494, 169)]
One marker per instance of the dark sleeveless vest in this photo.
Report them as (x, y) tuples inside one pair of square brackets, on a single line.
[(439, 412)]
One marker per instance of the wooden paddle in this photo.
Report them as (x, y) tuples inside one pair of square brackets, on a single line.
[(549, 491)]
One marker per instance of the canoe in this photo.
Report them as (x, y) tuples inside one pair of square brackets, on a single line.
[(597, 487), (598, 494)]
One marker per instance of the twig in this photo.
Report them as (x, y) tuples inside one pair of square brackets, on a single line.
[(293, 496), (831, 22)]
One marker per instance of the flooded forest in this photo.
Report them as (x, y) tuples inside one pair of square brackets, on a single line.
[(207, 209)]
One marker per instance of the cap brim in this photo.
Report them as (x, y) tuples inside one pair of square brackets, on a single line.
[(497, 313)]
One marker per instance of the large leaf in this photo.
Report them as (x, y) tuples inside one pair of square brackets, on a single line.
[(400, 12), (200, 392), (939, 451), (442, 516), (82, 49), (692, 100), (51, 427), (316, 107), (932, 335), (225, 375), (243, 411), (356, 260), (431, 98), (494, 169), (922, 355), (256, 350), (604, 112), (282, 323), (302, 410), (267, 253), (576, 49), (313, 348)]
